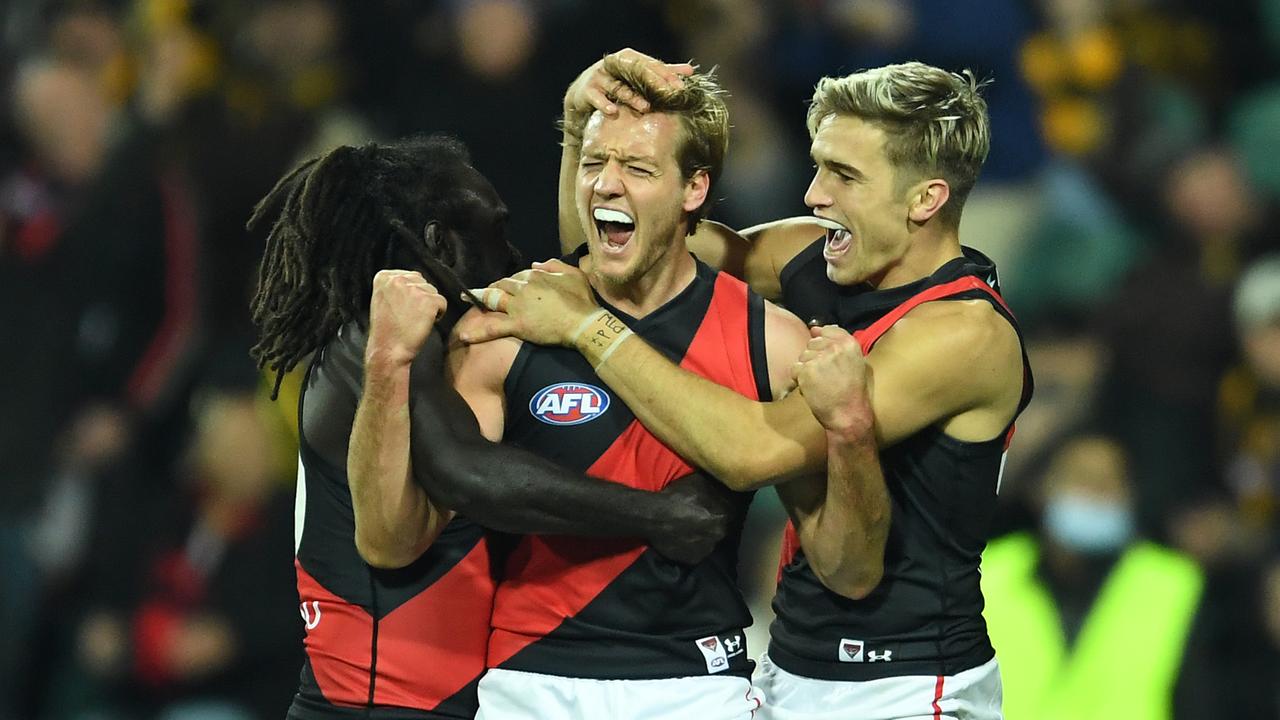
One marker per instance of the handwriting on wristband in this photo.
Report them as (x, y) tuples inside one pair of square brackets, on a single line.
[(600, 337)]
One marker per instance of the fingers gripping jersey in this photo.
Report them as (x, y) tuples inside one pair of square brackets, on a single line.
[(405, 643), (925, 616), (615, 608)]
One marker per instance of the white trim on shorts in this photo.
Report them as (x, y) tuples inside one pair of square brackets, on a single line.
[(516, 695), (974, 694)]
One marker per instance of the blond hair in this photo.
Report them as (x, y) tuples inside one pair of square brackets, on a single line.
[(935, 121), (699, 103)]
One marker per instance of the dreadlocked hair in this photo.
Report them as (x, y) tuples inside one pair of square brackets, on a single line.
[(338, 220)]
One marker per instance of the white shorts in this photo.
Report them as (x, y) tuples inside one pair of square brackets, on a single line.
[(974, 694), (515, 695)]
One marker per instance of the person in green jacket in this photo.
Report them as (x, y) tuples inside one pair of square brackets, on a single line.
[(1088, 620)]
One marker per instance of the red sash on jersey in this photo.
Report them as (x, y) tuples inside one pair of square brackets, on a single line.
[(551, 578)]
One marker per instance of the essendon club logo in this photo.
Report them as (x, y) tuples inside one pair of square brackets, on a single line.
[(569, 403), (851, 650), (713, 651)]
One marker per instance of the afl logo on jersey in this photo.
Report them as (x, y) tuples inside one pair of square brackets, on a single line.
[(569, 403)]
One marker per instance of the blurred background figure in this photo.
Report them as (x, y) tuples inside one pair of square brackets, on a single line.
[(1130, 198), (1072, 607), (1249, 406), (179, 609)]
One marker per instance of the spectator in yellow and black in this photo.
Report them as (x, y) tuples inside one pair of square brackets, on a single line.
[(1170, 332), (1249, 399), (1088, 620)]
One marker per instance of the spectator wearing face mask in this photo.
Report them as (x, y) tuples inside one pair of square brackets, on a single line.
[(1088, 620)]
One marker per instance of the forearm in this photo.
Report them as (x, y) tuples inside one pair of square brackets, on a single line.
[(571, 234), (509, 489), (394, 520), (720, 247), (843, 527), (743, 443)]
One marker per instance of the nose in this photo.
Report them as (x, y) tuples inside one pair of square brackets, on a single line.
[(816, 197), (609, 181)]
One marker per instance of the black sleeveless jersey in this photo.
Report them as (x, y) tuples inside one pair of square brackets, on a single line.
[(925, 616), (396, 644), (607, 608)]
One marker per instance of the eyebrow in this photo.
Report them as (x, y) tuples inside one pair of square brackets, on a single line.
[(600, 155), (840, 167)]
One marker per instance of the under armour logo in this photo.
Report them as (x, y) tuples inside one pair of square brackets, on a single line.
[(733, 644), (310, 615), (873, 656)]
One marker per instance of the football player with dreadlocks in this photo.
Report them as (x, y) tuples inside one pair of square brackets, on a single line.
[(392, 562)]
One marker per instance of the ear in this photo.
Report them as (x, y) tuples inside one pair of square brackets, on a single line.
[(695, 191), (927, 198), (434, 239)]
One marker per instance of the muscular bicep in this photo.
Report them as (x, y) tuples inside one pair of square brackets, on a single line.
[(787, 418), (953, 364), (786, 336)]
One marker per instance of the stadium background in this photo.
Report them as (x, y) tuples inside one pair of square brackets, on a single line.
[(1131, 185)]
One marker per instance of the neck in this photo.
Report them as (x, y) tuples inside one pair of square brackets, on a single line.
[(671, 274), (928, 251)]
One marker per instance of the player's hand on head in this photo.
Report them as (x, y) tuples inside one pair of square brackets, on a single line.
[(546, 305), (599, 87), (832, 376), (703, 512), (403, 310)]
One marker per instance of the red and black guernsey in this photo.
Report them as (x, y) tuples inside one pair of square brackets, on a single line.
[(614, 608), (390, 644), (925, 617)]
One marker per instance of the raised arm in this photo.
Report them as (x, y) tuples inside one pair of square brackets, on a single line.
[(394, 519), (498, 486), (597, 88), (843, 523)]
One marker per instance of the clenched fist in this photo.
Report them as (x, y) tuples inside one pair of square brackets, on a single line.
[(832, 375), (402, 312)]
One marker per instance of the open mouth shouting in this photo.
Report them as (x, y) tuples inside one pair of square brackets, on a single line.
[(615, 229), (839, 239)]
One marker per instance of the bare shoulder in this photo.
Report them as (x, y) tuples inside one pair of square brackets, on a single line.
[(484, 364), (785, 337), (783, 326), (964, 344), (967, 329)]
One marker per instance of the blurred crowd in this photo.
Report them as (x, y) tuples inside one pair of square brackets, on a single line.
[(146, 482)]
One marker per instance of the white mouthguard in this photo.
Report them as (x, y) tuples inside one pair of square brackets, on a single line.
[(612, 216), (828, 224)]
